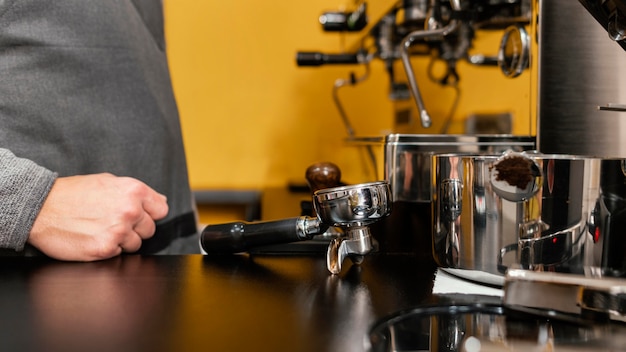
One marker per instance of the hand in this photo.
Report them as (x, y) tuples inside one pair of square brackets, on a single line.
[(95, 217)]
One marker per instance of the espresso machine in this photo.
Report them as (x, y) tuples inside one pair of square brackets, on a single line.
[(565, 53), (540, 216), (406, 31), (441, 32), (571, 56), (574, 87), (559, 247)]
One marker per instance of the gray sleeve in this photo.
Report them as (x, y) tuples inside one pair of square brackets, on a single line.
[(24, 187)]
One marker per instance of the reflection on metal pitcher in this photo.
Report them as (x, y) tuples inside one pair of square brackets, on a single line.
[(574, 217)]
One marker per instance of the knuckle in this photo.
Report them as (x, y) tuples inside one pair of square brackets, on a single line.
[(149, 230), (134, 187), (104, 249), (128, 213)]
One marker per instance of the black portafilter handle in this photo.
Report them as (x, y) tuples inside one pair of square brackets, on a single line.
[(242, 236), (311, 58)]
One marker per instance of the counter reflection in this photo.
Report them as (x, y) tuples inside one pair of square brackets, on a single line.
[(119, 305)]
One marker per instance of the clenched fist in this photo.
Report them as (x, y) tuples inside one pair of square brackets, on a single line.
[(95, 217)]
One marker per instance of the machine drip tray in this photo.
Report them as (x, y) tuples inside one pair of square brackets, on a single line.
[(457, 324)]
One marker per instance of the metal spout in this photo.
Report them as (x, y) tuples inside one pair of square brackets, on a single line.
[(357, 243)]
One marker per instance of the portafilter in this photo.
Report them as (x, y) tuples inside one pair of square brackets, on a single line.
[(350, 208)]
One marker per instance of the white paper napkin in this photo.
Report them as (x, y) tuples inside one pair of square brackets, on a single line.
[(456, 281)]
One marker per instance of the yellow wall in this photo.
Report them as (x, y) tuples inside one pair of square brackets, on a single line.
[(252, 119)]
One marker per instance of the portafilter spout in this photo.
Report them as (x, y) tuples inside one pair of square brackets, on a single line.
[(352, 208)]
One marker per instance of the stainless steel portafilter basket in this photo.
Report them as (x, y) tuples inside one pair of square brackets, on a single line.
[(350, 208)]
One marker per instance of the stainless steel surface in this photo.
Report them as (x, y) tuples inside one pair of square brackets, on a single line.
[(580, 68), (408, 158), (354, 205), (483, 231), (470, 228), (359, 243), (610, 15), (352, 208), (567, 293), (307, 226)]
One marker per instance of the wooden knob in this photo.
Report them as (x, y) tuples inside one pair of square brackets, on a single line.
[(323, 175)]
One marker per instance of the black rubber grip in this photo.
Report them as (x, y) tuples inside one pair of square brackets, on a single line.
[(317, 59), (241, 236)]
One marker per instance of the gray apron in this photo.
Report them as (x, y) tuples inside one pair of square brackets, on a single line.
[(85, 88)]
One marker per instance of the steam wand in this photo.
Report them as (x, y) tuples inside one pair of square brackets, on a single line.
[(407, 41), (340, 83), (353, 80)]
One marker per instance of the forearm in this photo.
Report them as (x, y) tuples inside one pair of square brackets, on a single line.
[(24, 187)]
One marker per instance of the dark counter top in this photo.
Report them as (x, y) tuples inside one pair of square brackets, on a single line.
[(186, 303)]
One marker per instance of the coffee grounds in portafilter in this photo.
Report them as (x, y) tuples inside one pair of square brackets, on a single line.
[(515, 170)]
